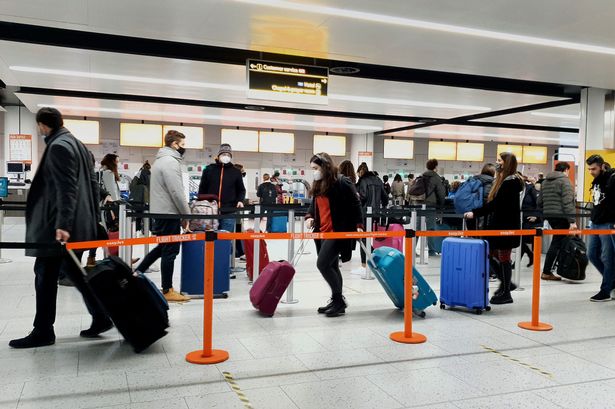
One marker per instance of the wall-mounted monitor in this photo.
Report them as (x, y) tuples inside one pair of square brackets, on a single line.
[(516, 150), (86, 131), (241, 140), (194, 135), (398, 149), (276, 142), (535, 155), (471, 152), (331, 144), (442, 150), (141, 135), (15, 167)]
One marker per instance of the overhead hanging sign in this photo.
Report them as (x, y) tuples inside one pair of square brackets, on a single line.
[(287, 82), (20, 148)]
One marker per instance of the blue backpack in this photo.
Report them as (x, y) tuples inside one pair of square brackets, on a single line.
[(469, 195)]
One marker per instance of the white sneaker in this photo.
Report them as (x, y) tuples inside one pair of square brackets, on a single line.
[(358, 271)]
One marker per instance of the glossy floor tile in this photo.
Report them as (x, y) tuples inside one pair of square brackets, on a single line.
[(299, 359)]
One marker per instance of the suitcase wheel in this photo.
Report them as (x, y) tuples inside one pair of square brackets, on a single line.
[(487, 308), (419, 313), (442, 306), (434, 303), (478, 311)]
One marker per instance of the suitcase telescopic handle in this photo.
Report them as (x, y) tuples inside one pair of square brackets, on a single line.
[(77, 262), (300, 249)]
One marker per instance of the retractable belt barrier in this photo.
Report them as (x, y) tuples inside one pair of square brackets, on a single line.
[(209, 356)]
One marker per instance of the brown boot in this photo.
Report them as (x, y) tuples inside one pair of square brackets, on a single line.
[(91, 262), (172, 296)]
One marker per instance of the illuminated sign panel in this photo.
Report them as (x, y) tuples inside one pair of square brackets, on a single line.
[(287, 82), (398, 149), (442, 150), (470, 152)]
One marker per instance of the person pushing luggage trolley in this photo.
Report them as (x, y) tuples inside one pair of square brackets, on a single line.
[(335, 208)]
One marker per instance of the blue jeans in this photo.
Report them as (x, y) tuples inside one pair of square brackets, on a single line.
[(601, 252), (227, 224)]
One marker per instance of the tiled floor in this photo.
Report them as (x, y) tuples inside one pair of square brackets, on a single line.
[(299, 359)]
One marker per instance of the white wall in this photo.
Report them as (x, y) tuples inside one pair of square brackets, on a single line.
[(417, 165)]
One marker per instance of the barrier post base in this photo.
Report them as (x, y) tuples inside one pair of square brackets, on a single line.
[(5, 261), (401, 337), (293, 301), (197, 357), (541, 326)]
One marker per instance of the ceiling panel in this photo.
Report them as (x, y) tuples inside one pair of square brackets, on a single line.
[(249, 26), (199, 115), (478, 133), (346, 94)]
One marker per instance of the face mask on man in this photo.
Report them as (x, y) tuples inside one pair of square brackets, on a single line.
[(225, 159), (317, 175), (181, 150)]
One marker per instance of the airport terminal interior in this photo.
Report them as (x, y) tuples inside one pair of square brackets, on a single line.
[(391, 84)]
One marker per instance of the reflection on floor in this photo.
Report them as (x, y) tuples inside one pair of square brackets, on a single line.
[(299, 359)]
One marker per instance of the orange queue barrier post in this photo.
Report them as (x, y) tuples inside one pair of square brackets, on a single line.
[(535, 324), (407, 336), (207, 355)]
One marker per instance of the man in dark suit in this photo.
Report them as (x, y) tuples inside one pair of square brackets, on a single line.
[(62, 206)]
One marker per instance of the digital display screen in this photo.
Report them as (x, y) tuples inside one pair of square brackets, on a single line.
[(14, 167), (287, 82)]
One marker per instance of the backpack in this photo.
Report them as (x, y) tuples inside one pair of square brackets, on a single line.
[(572, 259), (269, 194), (469, 195), (419, 187), (205, 207)]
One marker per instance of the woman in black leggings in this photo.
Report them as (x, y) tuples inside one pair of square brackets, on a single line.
[(335, 208)]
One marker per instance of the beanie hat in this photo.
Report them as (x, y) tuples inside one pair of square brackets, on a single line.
[(225, 148)]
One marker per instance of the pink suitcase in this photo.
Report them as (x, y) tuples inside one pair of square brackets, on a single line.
[(268, 288), (394, 242)]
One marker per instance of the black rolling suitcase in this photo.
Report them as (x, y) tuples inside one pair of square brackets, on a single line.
[(134, 304)]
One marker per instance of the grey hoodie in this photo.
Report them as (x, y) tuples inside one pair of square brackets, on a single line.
[(166, 184)]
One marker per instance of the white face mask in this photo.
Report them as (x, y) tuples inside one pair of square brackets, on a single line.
[(317, 175), (225, 159)]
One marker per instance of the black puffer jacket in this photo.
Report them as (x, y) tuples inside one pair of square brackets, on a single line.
[(505, 213), (232, 190), (63, 194), (371, 192), (345, 213)]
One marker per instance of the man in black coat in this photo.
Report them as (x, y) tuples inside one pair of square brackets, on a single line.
[(62, 206)]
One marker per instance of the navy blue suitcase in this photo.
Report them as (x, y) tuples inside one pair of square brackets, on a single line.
[(193, 265), (464, 274)]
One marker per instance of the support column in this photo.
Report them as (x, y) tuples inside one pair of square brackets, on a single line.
[(591, 136)]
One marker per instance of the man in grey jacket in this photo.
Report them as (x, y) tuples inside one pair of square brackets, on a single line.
[(558, 207), (167, 196)]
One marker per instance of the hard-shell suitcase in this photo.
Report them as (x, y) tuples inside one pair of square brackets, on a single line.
[(134, 304), (192, 266), (113, 235), (271, 284), (464, 274), (394, 242), (248, 247), (388, 266), (278, 224)]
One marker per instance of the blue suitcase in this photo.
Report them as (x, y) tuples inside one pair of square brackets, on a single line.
[(388, 264), (278, 224), (193, 265), (464, 274)]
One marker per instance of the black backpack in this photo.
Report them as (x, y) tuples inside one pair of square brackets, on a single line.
[(572, 259)]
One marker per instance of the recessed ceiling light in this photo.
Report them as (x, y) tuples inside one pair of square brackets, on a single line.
[(254, 108), (563, 116), (268, 121), (231, 87), (428, 25), (495, 135)]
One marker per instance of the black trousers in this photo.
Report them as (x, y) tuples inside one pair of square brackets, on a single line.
[(46, 273), (556, 243), (168, 252), (328, 265)]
